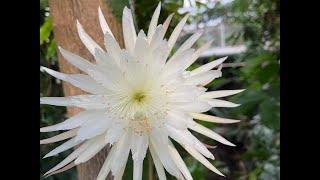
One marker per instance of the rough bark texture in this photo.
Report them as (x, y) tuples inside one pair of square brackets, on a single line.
[(64, 14)]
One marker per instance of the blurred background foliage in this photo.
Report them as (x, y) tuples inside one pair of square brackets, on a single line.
[(257, 135)]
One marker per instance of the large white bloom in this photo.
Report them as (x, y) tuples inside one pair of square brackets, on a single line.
[(138, 98)]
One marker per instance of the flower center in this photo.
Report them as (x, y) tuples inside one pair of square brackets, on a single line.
[(139, 97), (141, 108)]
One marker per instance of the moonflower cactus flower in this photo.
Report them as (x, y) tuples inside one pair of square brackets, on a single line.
[(137, 98)]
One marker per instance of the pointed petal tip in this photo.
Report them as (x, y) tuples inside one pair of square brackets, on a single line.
[(43, 100), (46, 156), (79, 26), (42, 129), (224, 58), (77, 162), (45, 69), (60, 48), (212, 157), (126, 9), (230, 144), (79, 138), (236, 121), (169, 18), (158, 6), (45, 175), (42, 68), (236, 105)]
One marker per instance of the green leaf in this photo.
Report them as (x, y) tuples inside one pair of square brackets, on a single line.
[(270, 113), (253, 175), (117, 6), (45, 30), (51, 50)]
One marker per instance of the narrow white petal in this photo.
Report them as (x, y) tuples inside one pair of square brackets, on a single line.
[(159, 168), (139, 146), (67, 167), (63, 147), (197, 54), (103, 23), (197, 106), (83, 101), (207, 67), (176, 32), (121, 155), (112, 47), (176, 63), (104, 60), (202, 159), (73, 122), (81, 81), (221, 103), (214, 119), (60, 137), (137, 170), (167, 23), (209, 133), (129, 32), (100, 77), (87, 40), (178, 119), (115, 132), (184, 137), (189, 42), (203, 78), (94, 127), (183, 96), (96, 145), (157, 37), (161, 54), (56, 101), (219, 94), (76, 60), (141, 49), (106, 167), (119, 175), (70, 158), (179, 162), (154, 22), (159, 141)]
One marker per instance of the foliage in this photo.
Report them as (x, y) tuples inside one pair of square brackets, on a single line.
[(257, 135), (260, 109)]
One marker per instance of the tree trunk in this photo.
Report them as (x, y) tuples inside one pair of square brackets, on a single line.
[(64, 14)]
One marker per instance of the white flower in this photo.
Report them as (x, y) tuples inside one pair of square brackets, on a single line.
[(138, 98)]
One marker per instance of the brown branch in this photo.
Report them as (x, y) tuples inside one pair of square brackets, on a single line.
[(64, 15)]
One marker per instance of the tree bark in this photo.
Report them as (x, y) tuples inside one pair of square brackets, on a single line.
[(64, 15)]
